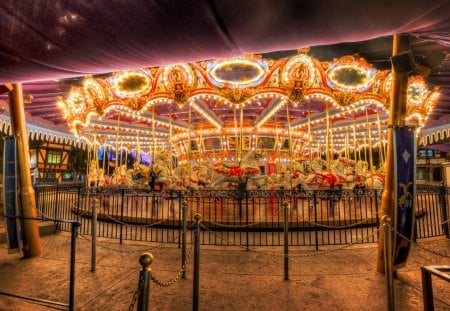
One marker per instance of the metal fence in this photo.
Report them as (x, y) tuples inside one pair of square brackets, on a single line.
[(237, 217)]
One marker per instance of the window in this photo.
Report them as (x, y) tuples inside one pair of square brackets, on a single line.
[(53, 157)]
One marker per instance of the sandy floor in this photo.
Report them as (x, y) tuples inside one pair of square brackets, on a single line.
[(231, 278)]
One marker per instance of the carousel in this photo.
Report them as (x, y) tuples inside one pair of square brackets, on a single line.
[(241, 123)]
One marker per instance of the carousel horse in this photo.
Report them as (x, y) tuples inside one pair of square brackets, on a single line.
[(335, 177), (371, 179), (375, 180), (288, 177), (159, 171), (96, 176), (122, 176), (141, 174), (186, 178), (346, 174), (239, 174)]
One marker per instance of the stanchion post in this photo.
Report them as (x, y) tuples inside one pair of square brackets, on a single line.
[(196, 287), (445, 223), (94, 234), (183, 245), (145, 260), (286, 206), (388, 262), (73, 240), (427, 290)]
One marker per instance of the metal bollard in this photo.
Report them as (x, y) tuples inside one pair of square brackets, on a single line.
[(94, 235), (183, 245), (145, 260), (196, 287), (388, 264), (286, 206), (74, 226)]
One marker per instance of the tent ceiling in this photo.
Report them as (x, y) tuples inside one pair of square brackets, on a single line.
[(49, 45)]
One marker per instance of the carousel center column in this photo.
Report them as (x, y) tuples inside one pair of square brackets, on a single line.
[(31, 245), (397, 115)]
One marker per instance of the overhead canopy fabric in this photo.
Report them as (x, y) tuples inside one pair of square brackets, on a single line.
[(55, 39), (44, 41)]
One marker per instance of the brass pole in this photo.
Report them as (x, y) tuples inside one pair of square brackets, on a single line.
[(369, 134), (241, 133), (235, 134), (288, 118), (396, 118), (309, 134), (380, 147), (31, 244), (327, 138), (354, 139)]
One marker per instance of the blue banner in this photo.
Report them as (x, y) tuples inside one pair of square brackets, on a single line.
[(405, 189), (10, 199)]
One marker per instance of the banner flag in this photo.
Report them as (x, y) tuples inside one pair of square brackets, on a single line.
[(405, 150), (10, 198)]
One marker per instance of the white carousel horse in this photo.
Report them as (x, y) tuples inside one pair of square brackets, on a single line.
[(247, 169), (96, 176), (344, 169), (122, 176), (141, 175), (371, 179), (187, 178), (159, 172), (320, 177), (375, 180), (288, 177)]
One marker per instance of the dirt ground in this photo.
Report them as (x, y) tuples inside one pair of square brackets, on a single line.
[(231, 278)]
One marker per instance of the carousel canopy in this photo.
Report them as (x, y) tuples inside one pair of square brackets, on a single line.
[(51, 46)]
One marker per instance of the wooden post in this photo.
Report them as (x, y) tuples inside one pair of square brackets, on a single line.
[(396, 118), (31, 245)]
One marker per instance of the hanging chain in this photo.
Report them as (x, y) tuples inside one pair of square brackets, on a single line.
[(178, 276), (422, 247), (138, 291)]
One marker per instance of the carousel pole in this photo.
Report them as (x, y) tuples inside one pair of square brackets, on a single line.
[(235, 133), (369, 135), (365, 151), (309, 134), (354, 139), (153, 135), (170, 143), (288, 118), (397, 115), (331, 151), (117, 140), (189, 138), (380, 147), (327, 138), (241, 140), (347, 148), (31, 245)]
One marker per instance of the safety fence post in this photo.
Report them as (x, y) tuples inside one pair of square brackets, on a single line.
[(388, 267), (286, 207), (196, 287), (94, 234)]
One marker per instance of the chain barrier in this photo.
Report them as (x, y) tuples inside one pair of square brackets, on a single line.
[(420, 246), (131, 251), (247, 225), (436, 225), (178, 276), (338, 227), (137, 292), (231, 243), (105, 213)]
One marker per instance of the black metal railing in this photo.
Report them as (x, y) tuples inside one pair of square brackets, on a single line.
[(237, 217)]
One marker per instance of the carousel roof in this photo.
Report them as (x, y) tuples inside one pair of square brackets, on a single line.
[(51, 46)]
